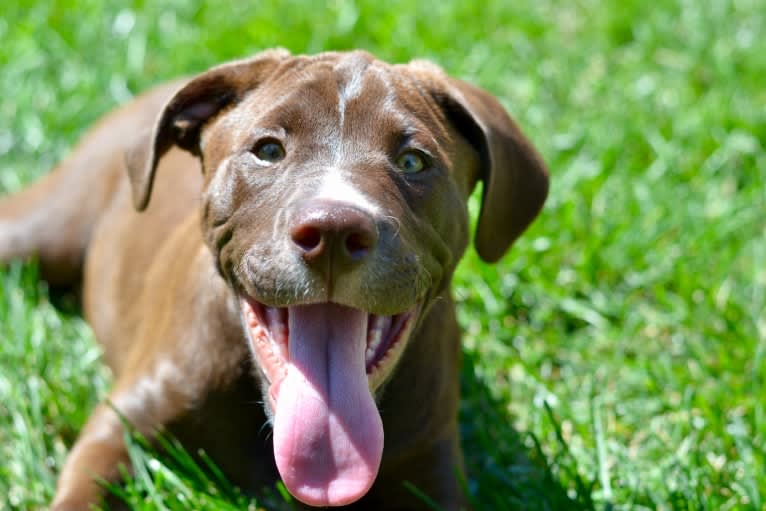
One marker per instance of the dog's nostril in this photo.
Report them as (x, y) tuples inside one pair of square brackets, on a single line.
[(307, 237), (358, 244)]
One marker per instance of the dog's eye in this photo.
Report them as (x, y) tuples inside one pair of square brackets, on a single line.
[(411, 162), (269, 151)]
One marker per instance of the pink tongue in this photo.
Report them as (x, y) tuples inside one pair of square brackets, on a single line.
[(328, 435)]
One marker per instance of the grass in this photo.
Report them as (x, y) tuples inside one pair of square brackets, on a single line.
[(616, 359)]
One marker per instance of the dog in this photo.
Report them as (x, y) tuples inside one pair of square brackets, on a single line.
[(292, 268)]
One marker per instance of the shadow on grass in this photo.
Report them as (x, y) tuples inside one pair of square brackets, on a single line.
[(507, 469)]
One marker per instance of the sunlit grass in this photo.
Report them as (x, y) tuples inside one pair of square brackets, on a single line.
[(615, 358)]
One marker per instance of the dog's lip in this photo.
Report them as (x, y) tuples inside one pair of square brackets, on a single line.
[(269, 337)]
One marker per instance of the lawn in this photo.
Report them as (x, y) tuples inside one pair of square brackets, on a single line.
[(615, 358)]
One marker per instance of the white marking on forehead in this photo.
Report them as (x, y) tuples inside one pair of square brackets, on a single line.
[(351, 89), (353, 86), (336, 186)]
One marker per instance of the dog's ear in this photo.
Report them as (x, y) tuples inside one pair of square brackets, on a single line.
[(180, 120), (514, 175)]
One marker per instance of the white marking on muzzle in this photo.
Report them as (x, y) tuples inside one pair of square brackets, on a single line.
[(336, 186)]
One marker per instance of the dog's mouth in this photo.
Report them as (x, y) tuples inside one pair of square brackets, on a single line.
[(323, 363)]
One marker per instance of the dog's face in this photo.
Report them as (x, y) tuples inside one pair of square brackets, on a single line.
[(335, 181), (335, 207)]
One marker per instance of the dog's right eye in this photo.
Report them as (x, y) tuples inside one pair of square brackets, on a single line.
[(269, 151)]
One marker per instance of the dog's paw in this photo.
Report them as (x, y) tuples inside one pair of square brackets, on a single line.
[(71, 504)]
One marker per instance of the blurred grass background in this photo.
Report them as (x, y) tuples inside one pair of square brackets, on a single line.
[(613, 360)]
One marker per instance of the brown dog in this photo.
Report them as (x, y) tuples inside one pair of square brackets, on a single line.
[(307, 266)]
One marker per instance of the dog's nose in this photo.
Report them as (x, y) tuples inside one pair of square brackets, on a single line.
[(332, 232)]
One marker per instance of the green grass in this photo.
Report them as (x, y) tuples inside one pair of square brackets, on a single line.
[(616, 359)]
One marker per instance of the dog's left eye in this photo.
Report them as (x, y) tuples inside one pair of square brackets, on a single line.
[(412, 161), (269, 151)]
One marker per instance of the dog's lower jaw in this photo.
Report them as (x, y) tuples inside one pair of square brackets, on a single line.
[(323, 363)]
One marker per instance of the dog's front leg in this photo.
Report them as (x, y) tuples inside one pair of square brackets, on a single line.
[(98, 453), (146, 403)]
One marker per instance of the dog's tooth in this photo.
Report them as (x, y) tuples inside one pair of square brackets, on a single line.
[(377, 328), (368, 355), (378, 324), (372, 347), (373, 331)]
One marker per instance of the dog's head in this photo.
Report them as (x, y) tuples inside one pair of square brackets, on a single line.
[(335, 206)]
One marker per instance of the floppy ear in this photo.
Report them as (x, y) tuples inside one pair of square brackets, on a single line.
[(515, 176), (181, 119)]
